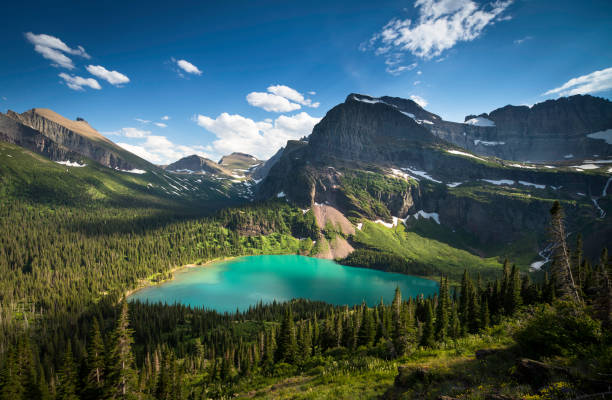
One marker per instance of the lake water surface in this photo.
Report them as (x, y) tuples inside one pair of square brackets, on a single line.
[(242, 282)]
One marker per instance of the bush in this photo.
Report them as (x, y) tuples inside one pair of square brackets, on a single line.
[(563, 329)]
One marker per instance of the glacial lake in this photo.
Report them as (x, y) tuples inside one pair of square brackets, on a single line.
[(242, 282)]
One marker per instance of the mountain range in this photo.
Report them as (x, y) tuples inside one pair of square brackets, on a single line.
[(467, 185)]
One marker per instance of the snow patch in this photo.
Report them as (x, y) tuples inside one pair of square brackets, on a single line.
[(453, 184), (135, 171), (360, 225), (280, 194), (605, 135), (487, 143), (480, 121), (585, 166), (387, 224), (426, 215), (535, 185), (422, 174), (363, 100), (461, 153), (408, 114), (568, 156), (522, 166), (69, 163), (499, 182)]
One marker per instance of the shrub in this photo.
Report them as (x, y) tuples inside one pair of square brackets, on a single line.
[(563, 329)]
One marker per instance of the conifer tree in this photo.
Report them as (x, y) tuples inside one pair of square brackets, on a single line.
[(121, 382), (427, 338), (11, 387), (513, 296), (286, 342), (560, 267), (68, 377), (484, 313), (441, 326), (367, 330), (95, 362)]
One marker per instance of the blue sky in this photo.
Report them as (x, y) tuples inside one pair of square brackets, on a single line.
[(247, 76)]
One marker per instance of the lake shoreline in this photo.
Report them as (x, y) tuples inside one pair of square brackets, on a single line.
[(145, 283), (278, 278)]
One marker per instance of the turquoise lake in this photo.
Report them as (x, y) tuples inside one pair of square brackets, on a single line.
[(242, 282)]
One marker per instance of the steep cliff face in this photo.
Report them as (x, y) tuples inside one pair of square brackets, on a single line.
[(14, 132), (198, 165), (76, 136), (371, 159), (548, 131)]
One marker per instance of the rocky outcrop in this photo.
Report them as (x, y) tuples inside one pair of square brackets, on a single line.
[(365, 135), (198, 165), (77, 137), (14, 132), (548, 131), (262, 170), (239, 162)]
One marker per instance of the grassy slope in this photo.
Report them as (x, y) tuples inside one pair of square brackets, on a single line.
[(427, 252), (27, 175), (452, 366)]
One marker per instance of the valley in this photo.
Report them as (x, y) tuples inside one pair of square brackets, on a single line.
[(376, 198)]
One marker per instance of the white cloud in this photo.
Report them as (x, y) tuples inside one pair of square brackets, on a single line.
[(312, 93), (292, 94), (594, 82), (441, 25), (160, 150), (261, 139), (271, 102), (134, 132), (143, 121), (53, 49), (417, 83), (280, 98), (165, 118), (522, 40), (140, 152), (77, 82), (188, 67), (113, 77), (419, 72), (160, 124), (419, 100)]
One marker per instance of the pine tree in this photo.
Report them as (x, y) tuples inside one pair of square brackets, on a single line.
[(513, 296), (10, 379), (484, 313), (95, 362), (441, 327), (68, 377), (121, 378), (400, 341), (367, 330), (473, 322), (427, 338), (560, 267), (286, 342)]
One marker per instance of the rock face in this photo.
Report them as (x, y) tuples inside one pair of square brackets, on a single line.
[(392, 139), (198, 165), (261, 171), (548, 131), (55, 132), (14, 132)]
